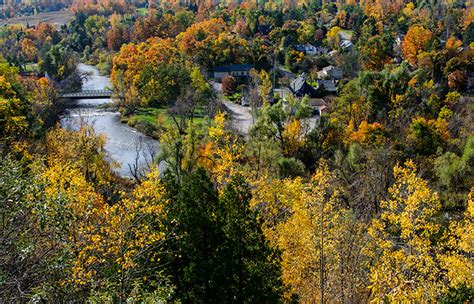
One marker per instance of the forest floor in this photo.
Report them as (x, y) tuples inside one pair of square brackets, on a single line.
[(57, 18)]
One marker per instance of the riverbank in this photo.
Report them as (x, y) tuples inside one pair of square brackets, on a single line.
[(130, 149)]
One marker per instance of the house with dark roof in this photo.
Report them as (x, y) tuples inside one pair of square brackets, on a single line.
[(235, 70), (300, 87)]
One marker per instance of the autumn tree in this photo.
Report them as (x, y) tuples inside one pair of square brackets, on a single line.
[(222, 152), (456, 259), (228, 85), (119, 255), (83, 149), (117, 34), (428, 134), (14, 109), (333, 36), (29, 50), (406, 268), (208, 44), (375, 48), (416, 40), (305, 221), (151, 72), (282, 122)]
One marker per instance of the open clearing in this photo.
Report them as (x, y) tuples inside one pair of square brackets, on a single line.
[(58, 17)]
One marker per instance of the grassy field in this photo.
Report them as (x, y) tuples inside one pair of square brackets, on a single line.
[(149, 120), (58, 17)]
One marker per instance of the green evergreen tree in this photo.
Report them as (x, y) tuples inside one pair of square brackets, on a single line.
[(251, 269), (220, 254), (194, 263)]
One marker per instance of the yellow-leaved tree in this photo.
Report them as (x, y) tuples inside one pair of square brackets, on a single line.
[(321, 243), (221, 154), (457, 256), (125, 236), (107, 239), (406, 270)]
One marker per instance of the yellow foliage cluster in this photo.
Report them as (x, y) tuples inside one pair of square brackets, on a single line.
[(368, 133), (440, 125), (11, 110), (458, 260), (221, 154), (333, 36), (122, 233), (293, 136), (305, 221), (84, 150), (101, 235), (133, 58), (416, 40), (410, 267)]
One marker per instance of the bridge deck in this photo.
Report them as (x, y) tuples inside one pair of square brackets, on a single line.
[(88, 94)]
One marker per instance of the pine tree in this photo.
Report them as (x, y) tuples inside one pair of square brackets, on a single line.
[(194, 262), (251, 269)]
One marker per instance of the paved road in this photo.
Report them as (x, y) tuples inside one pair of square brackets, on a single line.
[(242, 118)]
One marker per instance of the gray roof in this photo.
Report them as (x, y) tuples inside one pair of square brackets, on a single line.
[(328, 85), (298, 83), (301, 87), (234, 68), (316, 102), (346, 44)]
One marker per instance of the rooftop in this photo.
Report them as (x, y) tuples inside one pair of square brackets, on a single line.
[(233, 67)]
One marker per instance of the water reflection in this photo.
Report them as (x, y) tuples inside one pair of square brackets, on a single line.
[(131, 150)]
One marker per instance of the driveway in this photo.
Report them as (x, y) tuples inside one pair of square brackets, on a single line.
[(242, 118)]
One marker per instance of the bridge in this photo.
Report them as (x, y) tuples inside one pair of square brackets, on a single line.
[(88, 94)]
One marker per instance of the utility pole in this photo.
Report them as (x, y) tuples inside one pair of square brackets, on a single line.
[(274, 68)]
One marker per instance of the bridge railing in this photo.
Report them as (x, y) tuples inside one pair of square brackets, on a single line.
[(88, 93)]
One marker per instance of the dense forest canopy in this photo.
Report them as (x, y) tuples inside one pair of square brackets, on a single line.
[(309, 151)]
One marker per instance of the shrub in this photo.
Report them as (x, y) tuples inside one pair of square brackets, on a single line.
[(229, 85)]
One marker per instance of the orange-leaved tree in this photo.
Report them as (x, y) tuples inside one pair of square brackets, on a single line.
[(416, 41)]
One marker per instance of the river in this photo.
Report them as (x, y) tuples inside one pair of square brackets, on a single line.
[(125, 146)]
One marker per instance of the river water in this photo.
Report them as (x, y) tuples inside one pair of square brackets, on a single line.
[(128, 148)]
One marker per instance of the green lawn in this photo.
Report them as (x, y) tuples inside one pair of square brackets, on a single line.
[(149, 116)]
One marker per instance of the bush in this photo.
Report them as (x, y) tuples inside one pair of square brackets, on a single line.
[(229, 85), (290, 167), (143, 126)]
